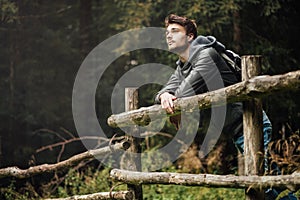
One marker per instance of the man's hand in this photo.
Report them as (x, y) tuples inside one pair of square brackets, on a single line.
[(166, 100)]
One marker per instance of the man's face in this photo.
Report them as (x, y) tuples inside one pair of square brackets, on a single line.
[(177, 39)]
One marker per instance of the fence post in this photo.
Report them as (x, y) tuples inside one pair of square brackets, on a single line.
[(131, 103), (253, 130)]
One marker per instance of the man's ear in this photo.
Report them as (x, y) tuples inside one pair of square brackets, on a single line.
[(190, 37)]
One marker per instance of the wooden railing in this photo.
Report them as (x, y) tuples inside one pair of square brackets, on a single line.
[(249, 91)]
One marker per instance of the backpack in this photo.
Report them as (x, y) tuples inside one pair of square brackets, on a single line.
[(233, 60)]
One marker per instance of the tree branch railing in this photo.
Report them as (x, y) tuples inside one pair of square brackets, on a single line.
[(44, 168), (291, 181), (248, 91), (256, 87), (126, 195)]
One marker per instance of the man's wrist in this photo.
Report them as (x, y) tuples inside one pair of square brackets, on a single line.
[(159, 97)]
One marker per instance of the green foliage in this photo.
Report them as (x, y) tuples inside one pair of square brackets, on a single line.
[(171, 192), (11, 192), (8, 11), (89, 181), (135, 14)]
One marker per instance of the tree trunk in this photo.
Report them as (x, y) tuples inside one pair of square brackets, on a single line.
[(236, 31), (85, 26), (14, 60)]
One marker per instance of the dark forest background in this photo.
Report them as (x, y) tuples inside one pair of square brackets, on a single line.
[(43, 44)]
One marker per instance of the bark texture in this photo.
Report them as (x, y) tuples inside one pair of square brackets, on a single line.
[(91, 154), (101, 195), (227, 181), (256, 87)]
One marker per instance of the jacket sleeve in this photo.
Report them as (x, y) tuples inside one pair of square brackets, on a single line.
[(171, 86), (200, 77), (204, 75)]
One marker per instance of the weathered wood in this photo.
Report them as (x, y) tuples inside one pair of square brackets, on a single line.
[(133, 156), (127, 195), (241, 163), (35, 170), (131, 103), (256, 87), (211, 180), (131, 99), (252, 128)]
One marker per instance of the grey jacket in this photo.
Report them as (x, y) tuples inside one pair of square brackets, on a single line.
[(205, 71), (201, 70)]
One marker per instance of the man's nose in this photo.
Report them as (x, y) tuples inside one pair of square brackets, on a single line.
[(168, 35)]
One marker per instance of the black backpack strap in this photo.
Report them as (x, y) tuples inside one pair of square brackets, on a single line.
[(234, 62)]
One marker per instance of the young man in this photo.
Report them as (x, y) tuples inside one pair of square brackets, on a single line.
[(199, 69)]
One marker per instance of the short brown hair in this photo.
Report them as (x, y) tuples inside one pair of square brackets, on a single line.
[(189, 25)]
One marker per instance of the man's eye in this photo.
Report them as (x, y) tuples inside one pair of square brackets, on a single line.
[(172, 31)]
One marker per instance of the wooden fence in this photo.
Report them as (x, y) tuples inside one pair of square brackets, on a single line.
[(249, 91)]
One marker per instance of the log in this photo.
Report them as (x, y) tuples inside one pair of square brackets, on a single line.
[(253, 129), (100, 195), (26, 173), (134, 152), (256, 87), (226, 181)]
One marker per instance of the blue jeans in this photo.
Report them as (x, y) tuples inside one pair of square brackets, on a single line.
[(271, 193), (267, 131)]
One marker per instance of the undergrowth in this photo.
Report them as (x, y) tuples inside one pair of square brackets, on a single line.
[(87, 180), (91, 181)]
